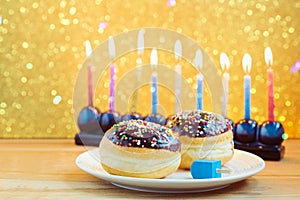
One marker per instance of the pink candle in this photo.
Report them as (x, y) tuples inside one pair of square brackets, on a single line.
[(90, 86), (271, 105)]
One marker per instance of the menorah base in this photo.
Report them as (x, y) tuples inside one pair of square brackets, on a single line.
[(88, 139), (266, 152)]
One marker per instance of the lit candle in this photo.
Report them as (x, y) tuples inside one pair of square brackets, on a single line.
[(88, 50), (140, 43), (271, 105), (112, 54), (247, 85), (140, 51), (224, 60), (154, 88), (199, 65), (178, 54), (139, 61)]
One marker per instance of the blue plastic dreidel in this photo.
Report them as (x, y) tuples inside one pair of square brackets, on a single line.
[(201, 169)]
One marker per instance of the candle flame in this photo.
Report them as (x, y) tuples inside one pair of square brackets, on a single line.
[(224, 60), (199, 59), (247, 60), (111, 47), (268, 56), (141, 41), (88, 48), (178, 49), (154, 57)]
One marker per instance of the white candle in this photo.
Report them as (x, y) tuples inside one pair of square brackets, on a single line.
[(154, 87), (247, 85), (140, 51), (178, 54), (224, 60), (141, 42), (140, 46), (199, 64), (88, 50)]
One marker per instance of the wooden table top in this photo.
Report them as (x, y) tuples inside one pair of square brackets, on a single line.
[(45, 169)]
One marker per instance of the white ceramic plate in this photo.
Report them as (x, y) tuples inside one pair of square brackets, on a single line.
[(241, 166)]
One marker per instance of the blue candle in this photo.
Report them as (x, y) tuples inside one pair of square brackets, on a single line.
[(199, 91), (247, 85), (154, 93), (199, 65), (154, 88)]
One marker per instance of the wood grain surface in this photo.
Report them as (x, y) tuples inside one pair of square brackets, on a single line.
[(45, 169)]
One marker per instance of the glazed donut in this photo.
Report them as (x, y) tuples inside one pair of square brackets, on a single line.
[(203, 135), (142, 149)]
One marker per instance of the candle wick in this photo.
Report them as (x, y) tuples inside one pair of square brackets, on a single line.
[(269, 64), (248, 71)]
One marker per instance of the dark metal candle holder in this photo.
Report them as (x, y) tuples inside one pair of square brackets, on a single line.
[(108, 119), (90, 130), (130, 116), (93, 124), (156, 118), (264, 140)]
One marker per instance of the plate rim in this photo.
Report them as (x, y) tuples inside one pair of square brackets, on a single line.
[(118, 180)]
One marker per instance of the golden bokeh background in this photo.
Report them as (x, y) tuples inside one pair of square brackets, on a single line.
[(42, 50)]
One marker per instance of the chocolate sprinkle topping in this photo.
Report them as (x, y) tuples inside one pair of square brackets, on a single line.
[(198, 124), (139, 133)]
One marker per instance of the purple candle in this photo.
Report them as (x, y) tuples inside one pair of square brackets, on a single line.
[(112, 54), (112, 88)]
